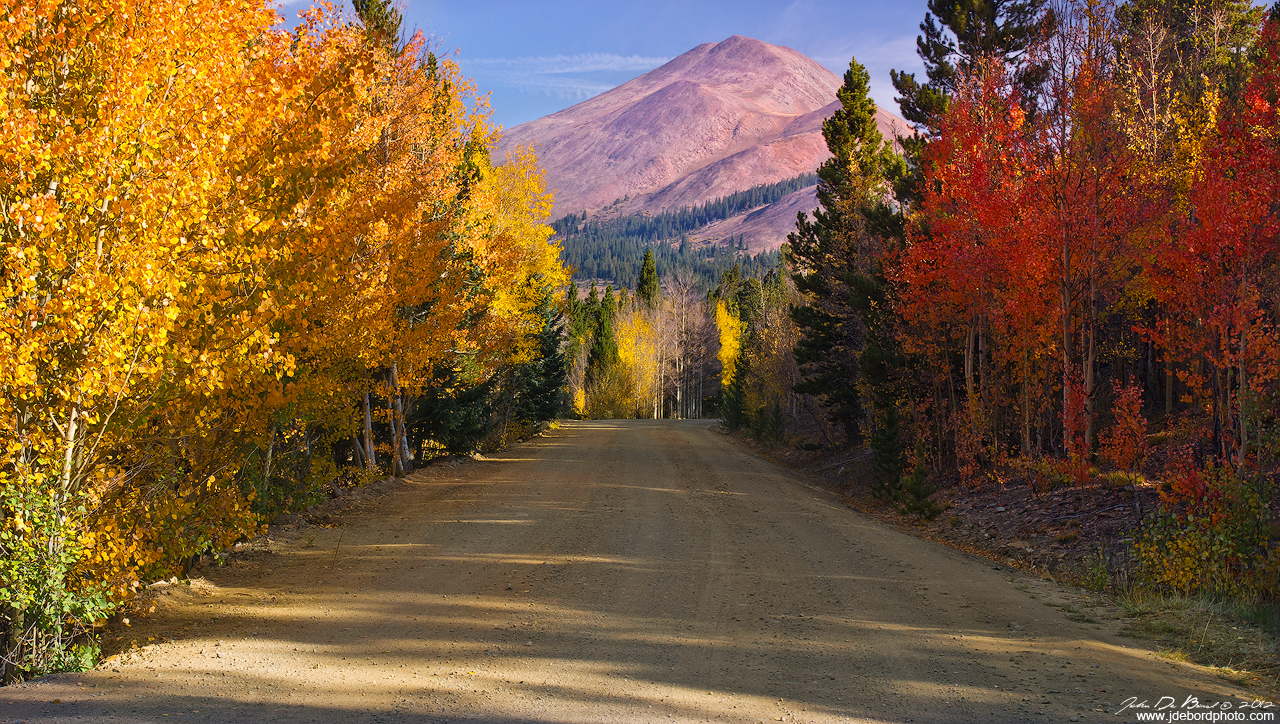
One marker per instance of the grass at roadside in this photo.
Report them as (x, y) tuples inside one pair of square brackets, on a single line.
[(1240, 641)]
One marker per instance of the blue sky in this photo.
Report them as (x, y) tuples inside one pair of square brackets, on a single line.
[(536, 58)]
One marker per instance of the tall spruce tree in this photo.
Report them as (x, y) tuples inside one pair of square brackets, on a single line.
[(959, 33), (835, 258), (381, 22), (647, 289), (455, 410), (604, 345), (542, 380)]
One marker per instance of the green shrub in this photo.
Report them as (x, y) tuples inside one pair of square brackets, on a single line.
[(774, 424), (915, 496), (47, 611), (1220, 541), (733, 407)]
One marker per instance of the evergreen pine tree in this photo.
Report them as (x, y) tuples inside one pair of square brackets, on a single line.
[(604, 346), (381, 22), (835, 258), (889, 458), (959, 33), (647, 289), (454, 411), (543, 379), (733, 405)]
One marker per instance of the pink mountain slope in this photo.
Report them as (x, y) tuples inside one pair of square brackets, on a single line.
[(721, 118)]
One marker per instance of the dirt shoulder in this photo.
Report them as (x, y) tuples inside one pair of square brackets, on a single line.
[(1079, 536), (615, 572)]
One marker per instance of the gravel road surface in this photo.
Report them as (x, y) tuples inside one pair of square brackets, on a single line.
[(628, 571)]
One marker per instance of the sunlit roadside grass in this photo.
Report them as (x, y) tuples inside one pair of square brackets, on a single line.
[(1239, 641)]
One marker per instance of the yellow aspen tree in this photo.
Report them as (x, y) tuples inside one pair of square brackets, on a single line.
[(117, 127), (511, 246), (731, 328), (639, 353), (213, 242)]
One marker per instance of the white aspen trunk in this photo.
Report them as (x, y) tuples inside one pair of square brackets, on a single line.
[(370, 455), (698, 405), (395, 437), (1064, 292), (683, 340), (984, 367), (404, 446), (1026, 404), (266, 464), (69, 440), (970, 394), (679, 389), (102, 216), (1090, 379), (402, 437), (968, 363), (686, 390), (657, 397), (1244, 391), (1168, 368)]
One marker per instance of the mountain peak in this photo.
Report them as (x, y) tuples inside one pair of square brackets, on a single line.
[(720, 118), (742, 46)]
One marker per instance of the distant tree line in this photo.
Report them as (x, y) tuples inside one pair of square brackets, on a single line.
[(613, 248), (671, 224), (617, 259), (653, 353)]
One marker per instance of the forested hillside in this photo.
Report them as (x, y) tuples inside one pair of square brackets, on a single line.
[(612, 248), (614, 259), (672, 224)]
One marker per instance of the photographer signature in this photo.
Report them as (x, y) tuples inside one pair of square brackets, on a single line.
[(1191, 703)]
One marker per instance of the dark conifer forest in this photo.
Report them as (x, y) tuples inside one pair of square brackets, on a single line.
[(612, 249)]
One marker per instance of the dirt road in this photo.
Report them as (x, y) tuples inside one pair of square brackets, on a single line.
[(615, 572)]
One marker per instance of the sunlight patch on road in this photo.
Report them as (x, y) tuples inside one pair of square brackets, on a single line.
[(641, 487), (522, 521), (549, 560), (633, 689), (596, 427)]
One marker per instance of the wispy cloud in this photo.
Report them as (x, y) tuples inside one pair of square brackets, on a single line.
[(560, 64), (575, 88), (878, 57), (576, 77), (898, 53)]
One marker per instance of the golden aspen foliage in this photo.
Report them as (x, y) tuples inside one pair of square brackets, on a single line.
[(118, 129), (214, 244), (731, 328), (512, 248), (639, 350)]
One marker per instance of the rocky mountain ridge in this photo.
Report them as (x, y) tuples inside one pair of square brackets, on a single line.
[(718, 119)]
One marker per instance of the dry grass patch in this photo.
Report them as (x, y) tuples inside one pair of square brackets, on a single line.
[(1241, 642)]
